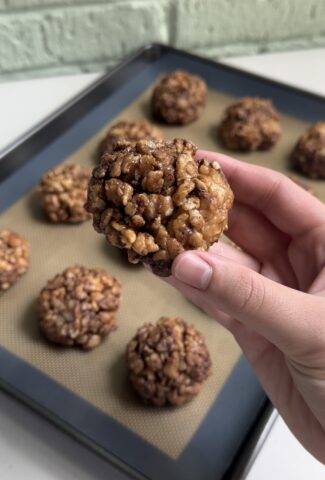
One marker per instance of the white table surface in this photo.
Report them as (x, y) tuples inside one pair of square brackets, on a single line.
[(30, 447)]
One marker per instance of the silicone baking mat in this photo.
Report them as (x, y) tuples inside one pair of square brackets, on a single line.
[(95, 382)]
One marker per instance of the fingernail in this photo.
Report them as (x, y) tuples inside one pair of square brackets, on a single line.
[(193, 270)]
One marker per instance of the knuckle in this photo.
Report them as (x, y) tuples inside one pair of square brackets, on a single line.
[(251, 294), (276, 182)]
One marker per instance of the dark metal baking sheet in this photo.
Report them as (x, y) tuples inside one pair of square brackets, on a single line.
[(242, 407)]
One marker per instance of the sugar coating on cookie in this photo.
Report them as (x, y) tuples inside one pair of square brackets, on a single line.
[(250, 124), (168, 362), (179, 98), (14, 258), (131, 131), (77, 307), (64, 192), (308, 155), (156, 200)]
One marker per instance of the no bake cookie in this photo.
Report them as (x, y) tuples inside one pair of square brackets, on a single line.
[(309, 154), (131, 131), (179, 98), (14, 258), (168, 362), (64, 192), (250, 124), (156, 199), (77, 307)]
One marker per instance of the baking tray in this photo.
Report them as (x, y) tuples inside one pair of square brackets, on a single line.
[(225, 441)]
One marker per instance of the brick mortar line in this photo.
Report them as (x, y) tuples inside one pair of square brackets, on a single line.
[(52, 72), (262, 43), (29, 11), (108, 62), (83, 66)]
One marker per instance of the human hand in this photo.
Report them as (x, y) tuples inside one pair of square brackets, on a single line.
[(270, 295)]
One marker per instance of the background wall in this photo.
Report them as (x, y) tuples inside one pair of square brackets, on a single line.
[(47, 37)]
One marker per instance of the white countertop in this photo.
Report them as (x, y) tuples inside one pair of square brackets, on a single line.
[(30, 447)]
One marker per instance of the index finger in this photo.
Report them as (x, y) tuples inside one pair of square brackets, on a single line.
[(284, 203)]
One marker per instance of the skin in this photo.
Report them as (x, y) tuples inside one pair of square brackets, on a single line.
[(270, 295)]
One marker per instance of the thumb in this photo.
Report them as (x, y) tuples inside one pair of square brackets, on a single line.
[(286, 317)]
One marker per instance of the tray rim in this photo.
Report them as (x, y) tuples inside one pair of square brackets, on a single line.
[(259, 431)]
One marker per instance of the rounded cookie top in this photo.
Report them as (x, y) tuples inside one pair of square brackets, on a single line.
[(250, 124), (131, 131), (77, 307), (168, 362), (64, 192), (155, 199), (179, 98), (308, 155), (14, 258)]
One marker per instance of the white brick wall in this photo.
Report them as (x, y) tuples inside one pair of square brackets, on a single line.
[(39, 37)]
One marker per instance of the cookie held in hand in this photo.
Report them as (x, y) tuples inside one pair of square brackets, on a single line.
[(156, 200)]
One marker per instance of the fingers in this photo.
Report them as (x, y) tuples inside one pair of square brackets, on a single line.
[(254, 233), (272, 194), (280, 314), (232, 253), (195, 297), (259, 238)]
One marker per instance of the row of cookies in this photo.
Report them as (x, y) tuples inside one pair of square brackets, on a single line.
[(248, 125)]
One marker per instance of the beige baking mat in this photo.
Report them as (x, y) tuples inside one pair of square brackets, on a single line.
[(100, 376)]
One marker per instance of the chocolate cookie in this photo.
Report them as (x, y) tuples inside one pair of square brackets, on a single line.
[(14, 258), (250, 124), (64, 192), (168, 362), (131, 131), (308, 155), (179, 98), (156, 200), (77, 307)]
